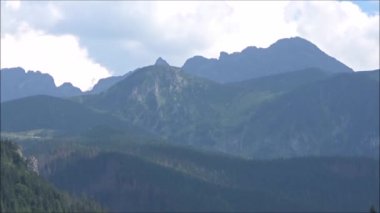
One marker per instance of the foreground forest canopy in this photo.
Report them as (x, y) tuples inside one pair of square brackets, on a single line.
[(245, 132), (22, 190), (159, 177)]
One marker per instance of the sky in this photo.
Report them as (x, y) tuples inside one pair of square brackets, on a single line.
[(83, 41)]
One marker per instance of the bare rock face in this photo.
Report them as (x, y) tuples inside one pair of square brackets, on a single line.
[(19, 152), (32, 164)]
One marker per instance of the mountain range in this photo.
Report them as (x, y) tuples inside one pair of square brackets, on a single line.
[(283, 128), (255, 120), (285, 55), (251, 63), (16, 83)]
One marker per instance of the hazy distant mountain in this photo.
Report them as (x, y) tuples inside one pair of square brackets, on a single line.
[(283, 56), (161, 62), (16, 83), (67, 90), (105, 83)]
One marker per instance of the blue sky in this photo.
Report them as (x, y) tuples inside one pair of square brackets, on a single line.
[(83, 41), (369, 6)]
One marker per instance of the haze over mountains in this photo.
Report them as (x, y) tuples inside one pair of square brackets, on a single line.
[(252, 62), (16, 83), (246, 127), (283, 56), (256, 118)]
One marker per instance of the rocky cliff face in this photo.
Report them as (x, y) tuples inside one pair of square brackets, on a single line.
[(32, 162)]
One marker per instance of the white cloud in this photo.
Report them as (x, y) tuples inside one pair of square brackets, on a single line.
[(257, 23), (13, 5), (124, 35), (340, 29), (60, 56)]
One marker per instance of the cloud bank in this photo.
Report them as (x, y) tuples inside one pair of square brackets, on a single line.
[(341, 29), (61, 56), (83, 41)]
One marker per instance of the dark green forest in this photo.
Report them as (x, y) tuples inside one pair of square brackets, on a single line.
[(22, 190), (127, 176)]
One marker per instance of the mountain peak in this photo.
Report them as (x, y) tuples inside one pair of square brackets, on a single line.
[(294, 42), (161, 62), (223, 55), (285, 55), (16, 83)]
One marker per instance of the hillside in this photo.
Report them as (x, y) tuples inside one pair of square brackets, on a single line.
[(52, 113), (167, 178), (336, 115), (22, 190), (166, 101), (251, 118)]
